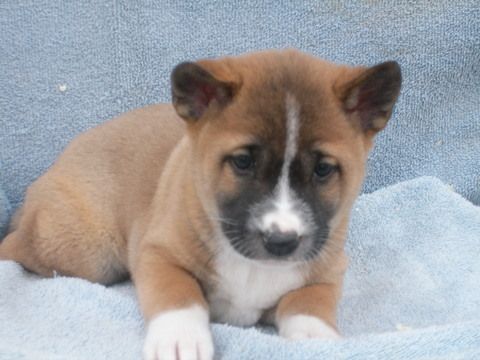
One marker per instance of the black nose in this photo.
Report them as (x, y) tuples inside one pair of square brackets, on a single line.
[(280, 243)]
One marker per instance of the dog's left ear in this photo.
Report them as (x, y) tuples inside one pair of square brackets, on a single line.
[(369, 98), (195, 88)]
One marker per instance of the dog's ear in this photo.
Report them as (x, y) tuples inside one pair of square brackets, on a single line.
[(369, 98), (196, 88)]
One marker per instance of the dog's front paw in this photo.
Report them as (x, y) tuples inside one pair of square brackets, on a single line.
[(179, 335), (297, 327)]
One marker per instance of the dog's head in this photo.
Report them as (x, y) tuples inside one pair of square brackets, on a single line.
[(279, 145)]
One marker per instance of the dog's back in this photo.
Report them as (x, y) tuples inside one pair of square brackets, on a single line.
[(103, 182)]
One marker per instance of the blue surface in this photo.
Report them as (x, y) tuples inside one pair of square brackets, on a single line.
[(4, 213), (67, 66), (414, 266)]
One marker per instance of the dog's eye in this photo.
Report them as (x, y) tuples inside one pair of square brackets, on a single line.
[(323, 170), (242, 162)]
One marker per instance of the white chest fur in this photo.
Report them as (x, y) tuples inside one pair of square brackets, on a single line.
[(246, 289)]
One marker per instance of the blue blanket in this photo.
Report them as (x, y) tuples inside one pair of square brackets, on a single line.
[(412, 291)]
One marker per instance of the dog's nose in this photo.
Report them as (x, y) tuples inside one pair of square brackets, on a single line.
[(280, 243)]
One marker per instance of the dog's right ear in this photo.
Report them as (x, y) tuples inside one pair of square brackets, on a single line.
[(369, 97), (196, 90)]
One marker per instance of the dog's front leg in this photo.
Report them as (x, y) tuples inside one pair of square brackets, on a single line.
[(174, 307), (308, 312)]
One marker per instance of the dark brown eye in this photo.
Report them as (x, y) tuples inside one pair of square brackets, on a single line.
[(242, 162), (323, 170)]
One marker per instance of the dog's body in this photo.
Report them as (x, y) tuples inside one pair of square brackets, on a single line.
[(240, 215)]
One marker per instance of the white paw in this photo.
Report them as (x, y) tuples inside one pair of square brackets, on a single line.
[(297, 327), (179, 335)]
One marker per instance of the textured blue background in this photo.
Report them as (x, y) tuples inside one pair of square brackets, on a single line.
[(69, 65), (66, 66)]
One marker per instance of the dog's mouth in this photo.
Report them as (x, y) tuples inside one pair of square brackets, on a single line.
[(281, 244), (270, 231), (274, 247)]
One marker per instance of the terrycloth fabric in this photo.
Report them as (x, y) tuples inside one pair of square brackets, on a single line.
[(414, 267), (68, 65), (4, 213)]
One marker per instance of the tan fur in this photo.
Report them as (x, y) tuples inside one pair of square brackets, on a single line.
[(319, 300), (136, 195)]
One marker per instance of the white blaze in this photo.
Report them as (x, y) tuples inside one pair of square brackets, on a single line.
[(284, 217)]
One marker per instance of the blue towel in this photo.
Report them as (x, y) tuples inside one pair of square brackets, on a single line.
[(4, 213), (68, 65), (412, 291)]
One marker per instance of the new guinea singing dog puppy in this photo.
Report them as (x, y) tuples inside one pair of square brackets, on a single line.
[(231, 204)]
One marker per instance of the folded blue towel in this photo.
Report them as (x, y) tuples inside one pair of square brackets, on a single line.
[(68, 65), (4, 213), (412, 291)]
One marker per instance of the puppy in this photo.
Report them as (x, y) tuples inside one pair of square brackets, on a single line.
[(231, 205)]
